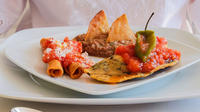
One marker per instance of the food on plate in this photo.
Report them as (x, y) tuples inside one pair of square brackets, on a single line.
[(148, 55), (102, 42), (75, 70), (98, 26), (129, 55), (65, 55), (145, 42), (109, 71), (120, 30), (55, 69), (74, 63)]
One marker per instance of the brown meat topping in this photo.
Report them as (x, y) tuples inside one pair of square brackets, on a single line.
[(98, 45)]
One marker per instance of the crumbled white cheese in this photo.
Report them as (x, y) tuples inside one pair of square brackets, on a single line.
[(57, 51), (62, 52), (70, 42), (48, 50), (64, 45), (65, 51), (85, 54)]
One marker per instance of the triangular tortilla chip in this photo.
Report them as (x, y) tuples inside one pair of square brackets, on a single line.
[(120, 30), (98, 25)]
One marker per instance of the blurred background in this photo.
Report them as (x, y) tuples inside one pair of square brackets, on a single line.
[(21, 14)]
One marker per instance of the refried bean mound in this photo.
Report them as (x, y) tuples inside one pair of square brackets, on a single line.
[(98, 45)]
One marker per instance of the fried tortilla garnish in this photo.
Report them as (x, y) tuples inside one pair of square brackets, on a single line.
[(120, 30), (98, 26), (113, 70)]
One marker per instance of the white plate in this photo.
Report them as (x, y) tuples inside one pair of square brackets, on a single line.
[(16, 83), (26, 53)]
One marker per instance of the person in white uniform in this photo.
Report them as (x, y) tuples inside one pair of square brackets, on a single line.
[(48, 13)]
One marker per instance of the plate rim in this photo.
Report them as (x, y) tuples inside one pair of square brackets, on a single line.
[(101, 101)]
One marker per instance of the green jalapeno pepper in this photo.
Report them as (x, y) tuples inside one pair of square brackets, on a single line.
[(145, 43)]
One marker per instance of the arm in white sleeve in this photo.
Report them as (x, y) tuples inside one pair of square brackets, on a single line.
[(10, 11), (194, 14)]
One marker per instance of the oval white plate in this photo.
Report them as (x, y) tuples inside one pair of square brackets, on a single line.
[(25, 52), (15, 83)]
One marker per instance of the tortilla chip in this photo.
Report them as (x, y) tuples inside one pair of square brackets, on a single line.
[(120, 30), (98, 26), (116, 74)]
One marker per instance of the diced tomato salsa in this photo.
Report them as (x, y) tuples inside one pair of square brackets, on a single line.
[(67, 52), (160, 55)]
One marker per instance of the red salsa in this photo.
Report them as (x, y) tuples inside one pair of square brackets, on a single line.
[(161, 54)]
